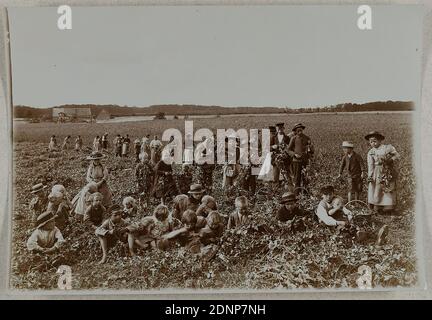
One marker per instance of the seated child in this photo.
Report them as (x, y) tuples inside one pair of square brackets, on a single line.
[(66, 199), (39, 202), (130, 208), (208, 204), (188, 235), (59, 209), (289, 209), (212, 232), (96, 211), (112, 230), (82, 200), (241, 214), (47, 238), (150, 230), (326, 210), (180, 205)]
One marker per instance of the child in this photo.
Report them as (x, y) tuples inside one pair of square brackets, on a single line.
[(52, 146), (96, 144), (354, 164), (39, 202), (118, 142), (125, 147), (130, 208), (47, 238), (326, 210), (59, 209), (208, 204), (60, 188), (241, 215), (144, 177), (112, 230), (137, 147), (211, 233), (78, 143), (82, 200), (180, 205), (66, 143), (96, 211), (288, 209)]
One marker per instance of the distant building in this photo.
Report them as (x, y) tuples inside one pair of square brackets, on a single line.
[(103, 115), (63, 114)]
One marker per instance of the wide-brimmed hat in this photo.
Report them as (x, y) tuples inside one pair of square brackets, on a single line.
[(38, 187), (375, 134), (196, 188), (280, 125), (95, 155), (288, 197), (44, 218), (297, 126), (347, 144)]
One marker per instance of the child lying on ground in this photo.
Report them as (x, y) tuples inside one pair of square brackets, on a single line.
[(47, 238), (112, 230), (332, 214), (241, 214), (96, 211)]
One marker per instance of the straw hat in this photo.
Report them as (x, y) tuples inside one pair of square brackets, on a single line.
[(196, 188), (298, 126), (95, 155), (347, 144), (288, 197), (38, 187)]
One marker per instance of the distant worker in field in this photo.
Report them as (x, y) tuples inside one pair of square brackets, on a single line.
[(96, 144), (382, 173), (354, 165), (66, 143), (137, 149), (39, 202), (118, 143), (105, 141), (126, 146), (145, 144), (301, 149), (52, 146), (78, 143), (155, 150)]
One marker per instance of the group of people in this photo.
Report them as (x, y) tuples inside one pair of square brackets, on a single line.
[(187, 214)]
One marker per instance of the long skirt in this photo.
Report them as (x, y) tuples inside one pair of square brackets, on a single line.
[(79, 202), (379, 195)]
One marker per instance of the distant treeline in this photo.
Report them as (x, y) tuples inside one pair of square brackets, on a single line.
[(175, 109)]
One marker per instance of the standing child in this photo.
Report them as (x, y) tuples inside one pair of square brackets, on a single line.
[(332, 214), (137, 147), (144, 176), (52, 146), (95, 211), (125, 147), (241, 214), (112, 230), (382, 173), (78, 143), (82, 200), (96, 144), (66, 143), (39, 202), (354, 164), (208, 204), (47, 238), (118, 142)]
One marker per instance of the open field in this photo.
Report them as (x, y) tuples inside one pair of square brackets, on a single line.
[(270, 256)]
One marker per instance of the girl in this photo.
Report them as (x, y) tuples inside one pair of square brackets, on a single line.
[(52, 144), (81, 201), (78, 143), (66, 143), (130, 208), (96, 144), (58, 209), (96, 211), (382, 173), (99, 174)]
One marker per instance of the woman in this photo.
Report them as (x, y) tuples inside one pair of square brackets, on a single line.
[(99, 174), (382, 173)]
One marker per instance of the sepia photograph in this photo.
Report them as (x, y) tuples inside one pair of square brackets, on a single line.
[(215, 147)]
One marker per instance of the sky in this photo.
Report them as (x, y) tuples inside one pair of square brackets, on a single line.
[(275, 56)]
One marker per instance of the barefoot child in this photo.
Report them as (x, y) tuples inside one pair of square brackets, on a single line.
[(353, 163), (47, 238), (112, 230)]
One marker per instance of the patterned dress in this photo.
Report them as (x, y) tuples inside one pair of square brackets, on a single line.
[(382, 170)]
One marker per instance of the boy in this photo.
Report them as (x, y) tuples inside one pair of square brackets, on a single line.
[(96, 211), (289, 209), (47, 238), (196, 193), (326, 210), (39, 202), (112, 230), (241, 215), (208, 204), (354, 164), (118, 142), (211, 233), (130, 208)]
